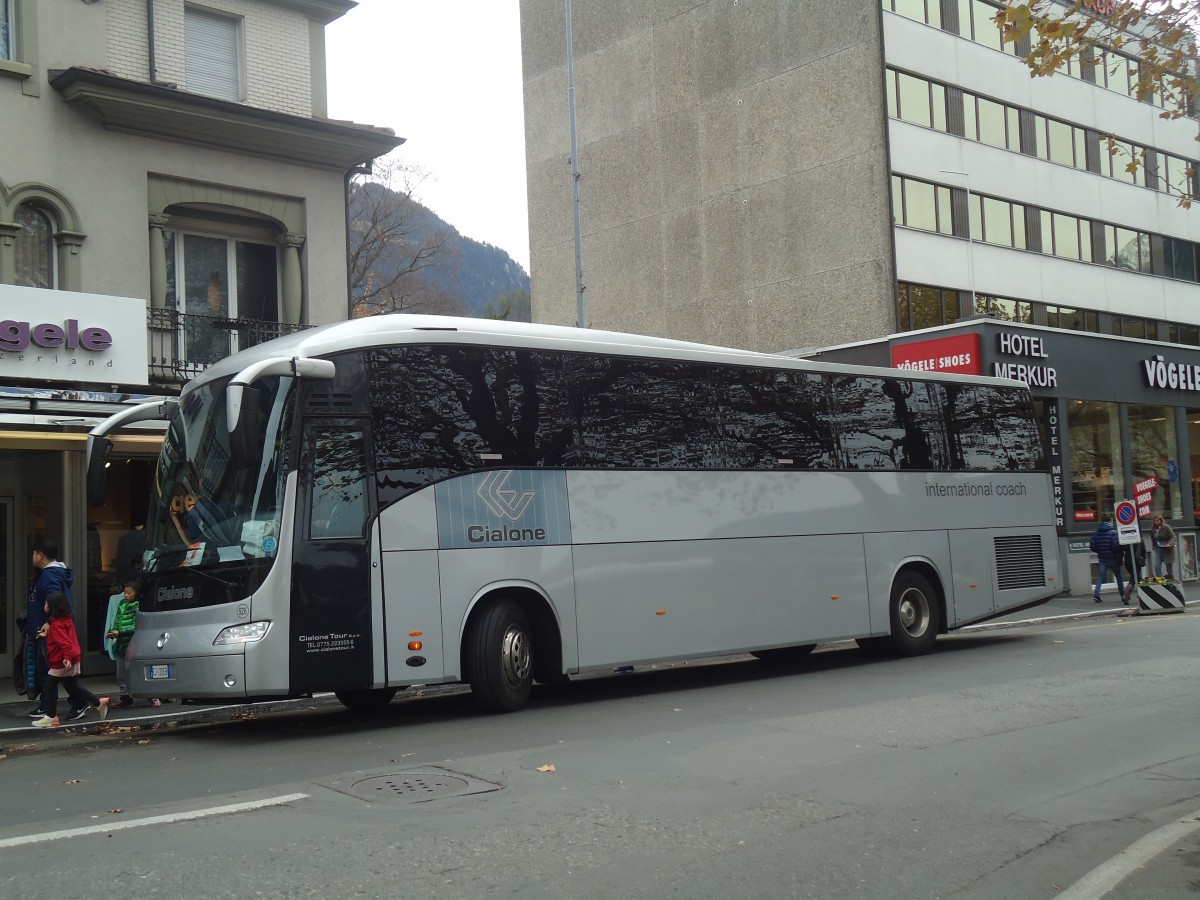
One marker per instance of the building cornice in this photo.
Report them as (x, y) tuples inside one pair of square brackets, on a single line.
[(323, 11), (155, 111)]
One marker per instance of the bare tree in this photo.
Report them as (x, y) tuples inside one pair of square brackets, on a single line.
[(393, 240)]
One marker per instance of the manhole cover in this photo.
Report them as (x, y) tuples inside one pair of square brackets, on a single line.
[(410, 787)]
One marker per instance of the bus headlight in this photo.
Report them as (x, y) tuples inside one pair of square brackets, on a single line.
[(250, 633)]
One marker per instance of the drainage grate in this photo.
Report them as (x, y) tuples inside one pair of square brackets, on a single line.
[(410, 787)]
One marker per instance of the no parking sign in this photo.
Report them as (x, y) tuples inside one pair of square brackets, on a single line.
[(1127, 523)]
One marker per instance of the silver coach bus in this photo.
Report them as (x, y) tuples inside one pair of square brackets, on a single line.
[(417, 500)]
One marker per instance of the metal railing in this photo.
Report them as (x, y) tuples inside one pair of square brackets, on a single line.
[(183, 345)]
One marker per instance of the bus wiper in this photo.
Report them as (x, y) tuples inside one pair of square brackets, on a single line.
[(228, 585)]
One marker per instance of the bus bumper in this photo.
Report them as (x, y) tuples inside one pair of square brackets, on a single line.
[(217, 677)]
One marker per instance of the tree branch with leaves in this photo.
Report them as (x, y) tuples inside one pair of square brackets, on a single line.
[(393, 239), (1156, 42)]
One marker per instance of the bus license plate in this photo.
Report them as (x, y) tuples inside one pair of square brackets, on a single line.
[(157, 673)]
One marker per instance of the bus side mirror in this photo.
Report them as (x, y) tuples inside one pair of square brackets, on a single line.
[(97, 477)]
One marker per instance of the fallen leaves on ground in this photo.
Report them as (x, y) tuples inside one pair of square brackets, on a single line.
[(71, 781), (144, 741), (116, 810)]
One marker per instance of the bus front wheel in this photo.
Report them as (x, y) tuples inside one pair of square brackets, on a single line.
[(499, 657)]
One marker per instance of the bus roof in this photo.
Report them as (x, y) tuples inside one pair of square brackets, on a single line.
[(404, 328)]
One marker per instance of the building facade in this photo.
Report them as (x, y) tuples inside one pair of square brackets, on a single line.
[(775, 174), (171, 190), (783, 174)]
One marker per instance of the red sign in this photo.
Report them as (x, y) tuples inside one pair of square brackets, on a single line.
[(956, 353), (1085, 515)]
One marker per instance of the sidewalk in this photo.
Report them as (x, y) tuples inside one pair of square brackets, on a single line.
[(14, 709)]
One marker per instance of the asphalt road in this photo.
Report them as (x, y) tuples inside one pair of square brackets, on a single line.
[(1056, 760)]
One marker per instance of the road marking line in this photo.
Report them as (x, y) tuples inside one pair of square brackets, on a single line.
[(1106, 876), (151, 820)]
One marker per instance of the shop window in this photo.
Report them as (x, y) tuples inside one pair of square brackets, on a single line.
[(34, 247), (1094, 445), (1154, 457), (1193, 435)]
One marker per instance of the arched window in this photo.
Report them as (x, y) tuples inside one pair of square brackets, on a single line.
[(34, 247)]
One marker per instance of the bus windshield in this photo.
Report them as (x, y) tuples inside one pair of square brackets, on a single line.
[(207, 508)]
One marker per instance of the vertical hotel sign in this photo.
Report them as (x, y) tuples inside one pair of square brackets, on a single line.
[(69, 336)]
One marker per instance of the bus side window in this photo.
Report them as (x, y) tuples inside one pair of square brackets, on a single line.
[(338, 507)]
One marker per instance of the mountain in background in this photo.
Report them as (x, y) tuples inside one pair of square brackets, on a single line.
[(406, 258)]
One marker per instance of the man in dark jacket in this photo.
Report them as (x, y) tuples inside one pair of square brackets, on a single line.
[(52, 576), (1106, 544)]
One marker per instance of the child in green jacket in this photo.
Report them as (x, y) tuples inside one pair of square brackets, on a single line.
[(121, 633)]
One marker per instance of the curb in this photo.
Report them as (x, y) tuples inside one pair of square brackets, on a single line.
[(1082, 614)]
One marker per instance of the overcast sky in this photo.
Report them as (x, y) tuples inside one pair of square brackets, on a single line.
[(446, 75)]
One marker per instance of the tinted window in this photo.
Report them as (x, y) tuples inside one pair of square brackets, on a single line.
[(890, 423), (771, 419), (440, 410), (992, 430), (636, 413), (338, 507)]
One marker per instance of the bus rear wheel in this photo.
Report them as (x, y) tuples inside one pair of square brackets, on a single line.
[(499, 657), (373, 698), (913, 611)]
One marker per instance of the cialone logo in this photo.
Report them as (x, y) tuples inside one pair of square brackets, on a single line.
[(502, 501)]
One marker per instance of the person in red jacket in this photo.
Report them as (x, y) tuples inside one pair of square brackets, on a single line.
[(63, 655)]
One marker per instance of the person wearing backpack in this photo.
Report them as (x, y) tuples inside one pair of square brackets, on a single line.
[(1106, 544)]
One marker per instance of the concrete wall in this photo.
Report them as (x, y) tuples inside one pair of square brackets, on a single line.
[(734, 175)]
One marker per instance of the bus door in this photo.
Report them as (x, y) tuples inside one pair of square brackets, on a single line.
[(331, 621)]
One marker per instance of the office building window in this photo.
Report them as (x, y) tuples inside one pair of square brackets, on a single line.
[(922, 101), (927, 11), (1072, 319), (213, 57), (34, 246)]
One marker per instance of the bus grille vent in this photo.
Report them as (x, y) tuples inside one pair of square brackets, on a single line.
[(1019, 562), (329, 402)]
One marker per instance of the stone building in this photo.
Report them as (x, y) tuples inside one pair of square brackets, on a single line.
[(171, 190)]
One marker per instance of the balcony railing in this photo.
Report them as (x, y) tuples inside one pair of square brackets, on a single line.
[(184, 345)]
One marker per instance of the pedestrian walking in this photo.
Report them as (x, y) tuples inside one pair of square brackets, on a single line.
[(1133, 558), (52, 575), (1162, 543), (63, 655), (1106, 544)]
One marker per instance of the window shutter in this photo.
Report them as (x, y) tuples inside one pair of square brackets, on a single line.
[(212, 57)]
